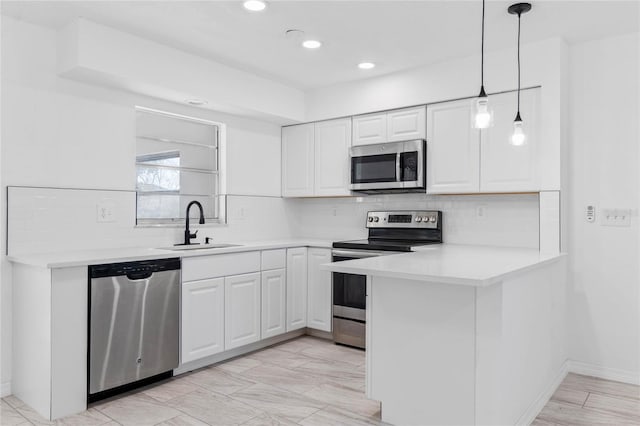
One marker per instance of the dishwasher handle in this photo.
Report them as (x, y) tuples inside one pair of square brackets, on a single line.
[(142, 275)]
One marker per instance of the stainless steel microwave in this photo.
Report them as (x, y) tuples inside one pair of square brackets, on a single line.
[(389, 167)]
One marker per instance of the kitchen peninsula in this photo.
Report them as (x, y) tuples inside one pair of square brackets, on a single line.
[(463, 334)]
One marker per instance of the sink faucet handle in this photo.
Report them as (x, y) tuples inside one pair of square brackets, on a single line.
[(194, 235)]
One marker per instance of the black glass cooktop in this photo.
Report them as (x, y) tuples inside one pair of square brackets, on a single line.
[(381, 244)]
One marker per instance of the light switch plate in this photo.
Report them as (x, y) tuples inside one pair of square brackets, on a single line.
[(105, 211), (615, 217), (591, 213)]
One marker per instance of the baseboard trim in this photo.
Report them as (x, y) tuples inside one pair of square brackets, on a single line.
[(614, 374), (226, 355), (5, 389), (536, 407)]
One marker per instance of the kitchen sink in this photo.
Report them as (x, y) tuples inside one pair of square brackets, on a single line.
[(199, 247)]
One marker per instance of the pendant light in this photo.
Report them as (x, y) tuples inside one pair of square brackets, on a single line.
[(483, 116), (518, 137)]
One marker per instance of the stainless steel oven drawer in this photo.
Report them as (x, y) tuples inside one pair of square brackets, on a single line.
[(349, 332)]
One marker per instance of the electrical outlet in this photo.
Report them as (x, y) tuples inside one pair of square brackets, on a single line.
[(105, 211), (481, 212), (616, 217)]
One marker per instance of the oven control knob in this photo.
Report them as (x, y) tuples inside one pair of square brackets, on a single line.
[(418, 219), (370, 218), (376, 219), (432, 219)]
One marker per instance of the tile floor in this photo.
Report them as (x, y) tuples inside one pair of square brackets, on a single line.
[(306, 381)]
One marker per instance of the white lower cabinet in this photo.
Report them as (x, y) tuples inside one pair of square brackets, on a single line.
[(203, 318), (319, 290), (242, 310), (227, 312), (296, 288), (274, 303)]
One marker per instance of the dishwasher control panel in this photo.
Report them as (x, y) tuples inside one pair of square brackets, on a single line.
[(142, 266)]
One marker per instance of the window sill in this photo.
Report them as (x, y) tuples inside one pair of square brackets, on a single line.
[(193, 224)]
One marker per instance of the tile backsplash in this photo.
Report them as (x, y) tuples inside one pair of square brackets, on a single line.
[(510, 220), (42, 220)]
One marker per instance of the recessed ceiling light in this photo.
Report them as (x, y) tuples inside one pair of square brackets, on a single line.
[(366, 65), (254, 5), (311, 44), (196, 102)]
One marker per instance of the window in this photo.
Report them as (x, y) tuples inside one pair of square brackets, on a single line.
[(177, 161)]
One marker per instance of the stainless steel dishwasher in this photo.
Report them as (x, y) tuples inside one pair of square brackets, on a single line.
[(133, 324)]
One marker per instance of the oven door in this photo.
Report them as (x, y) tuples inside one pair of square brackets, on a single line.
[(350, 290), (350, 300), (395, 165)]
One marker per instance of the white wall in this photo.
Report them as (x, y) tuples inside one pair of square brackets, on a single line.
[(60, 133), (604, 315)]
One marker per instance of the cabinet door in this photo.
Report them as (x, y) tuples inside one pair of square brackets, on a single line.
[(504, 167), (332, 143), (319, 290), (202, 319), (274, 302), (453, 149), (369, 129), (296, 288), (407, 124), (298, 160), (242, 310)]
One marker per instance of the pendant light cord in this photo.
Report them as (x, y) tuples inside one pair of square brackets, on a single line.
[(482, 50), (519, 16)]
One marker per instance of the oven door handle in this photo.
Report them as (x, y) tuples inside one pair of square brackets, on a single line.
[(360, 254)]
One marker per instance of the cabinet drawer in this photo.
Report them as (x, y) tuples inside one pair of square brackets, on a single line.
[(220, 265), (274, 259)]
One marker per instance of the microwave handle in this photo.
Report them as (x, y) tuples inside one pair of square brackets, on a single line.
[(398, 169)]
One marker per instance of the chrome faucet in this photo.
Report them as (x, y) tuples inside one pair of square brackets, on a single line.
[(187, 234)]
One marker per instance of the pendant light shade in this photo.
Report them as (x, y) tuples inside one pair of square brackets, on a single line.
[(519, 136), (482, 112)]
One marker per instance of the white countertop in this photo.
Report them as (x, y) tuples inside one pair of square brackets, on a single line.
[(478, 266), (67, 259)]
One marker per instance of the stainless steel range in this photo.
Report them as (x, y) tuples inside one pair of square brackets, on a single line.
[(389, 232)]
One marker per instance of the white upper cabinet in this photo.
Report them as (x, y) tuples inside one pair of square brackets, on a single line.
[(296, 288), (504, 167), (461, 159), (391, 126), (242, 310), (202, 322), (315, 159), (406, 124), (274, 300), (370, 129), (319, 290), (298, 160), (453, 149), (332, 143)]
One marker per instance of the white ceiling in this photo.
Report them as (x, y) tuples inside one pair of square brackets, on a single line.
[(396, 35)]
